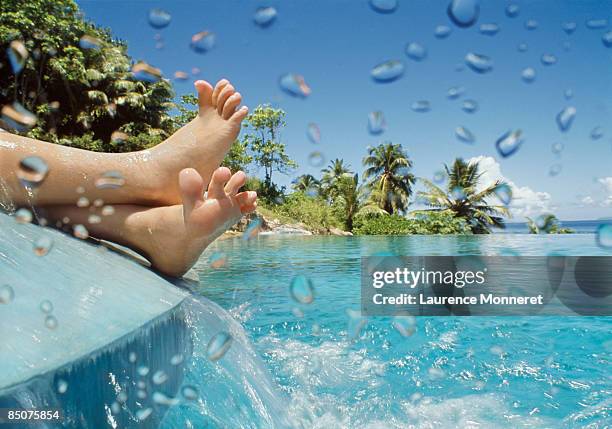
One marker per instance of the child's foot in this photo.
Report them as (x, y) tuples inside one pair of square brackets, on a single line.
[(174, 237), (204, 141)]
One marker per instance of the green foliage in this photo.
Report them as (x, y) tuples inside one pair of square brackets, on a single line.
[(431, 223), (547, 224), (331, 174), (314, 212), (462, 198), (308, 184), (237, 158), (80, 96)]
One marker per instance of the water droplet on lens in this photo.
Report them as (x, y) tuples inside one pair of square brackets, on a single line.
[(463, 13), (110, 180), (313, 133), (439, 177), (316, 159), (384, 6), (455, 92), (203, 41), (568, 94), (442, 31), (509, 143), (94, 219), (159, 377), (569, 27), (528, 74), (597, 133), (388, 71), (557, 148), (604, 235), (18, 117), (159, 18), (421, 106), (46, 306), (50, 322), (294, 85), (512, 10), (555, 169), (504, 193), (82, 202), (376, 123), (217, 260), (17, 55), (479, 63), (297, 312), (7, 294), (146, 73), (253, 229), (108, 211), (355, 324), (218, 346), (302, 290), (416, 51), (465, 135), (62, 386), (32, 171), (531, 24), (90, 42), (405, 325), (79, 231), (118, 137), (132, 357), (264, 16), (565, 118), (190, 393), (143, 413), (115, 408), (596, 24), (606, 39), (23, 216), (548, 59), (458, 193), (489, 29), (161, 399), (142, 370), (42, 246), (176, 359), (522, 47), (181, 75), (469, 106)]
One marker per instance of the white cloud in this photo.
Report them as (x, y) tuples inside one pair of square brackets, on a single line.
[(606, 182), (588, 200), (525, 201)]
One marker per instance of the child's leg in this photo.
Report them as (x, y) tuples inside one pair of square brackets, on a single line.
[(173, 237), (150, 176)]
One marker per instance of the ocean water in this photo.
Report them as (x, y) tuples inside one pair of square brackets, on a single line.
[(452, 372)]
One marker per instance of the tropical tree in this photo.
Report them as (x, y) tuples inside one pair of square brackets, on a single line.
[(306, 183), (464, 200), (74, 80), (546, 224), (334, 171), (388, 176)]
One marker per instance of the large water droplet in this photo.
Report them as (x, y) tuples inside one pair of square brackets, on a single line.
[(17, 55), (203, 41), (405, 325), (23, 216), (509, 143), (294, 85), (604, 235), (384, 6), (442, 31), (79, 231), (388, 71), (265, 16), (217, 260), (42, 245), (146, 73), (504, 193), (565, 118), (161, 399), (51, 322), (469, 106), (376, 123), (455, 92), (316, 159), (7, 294), (569, 27), (46, 306), (142, 370), (596, 24), (597, 133), (531, 24), (465, 135), (313, 133), (110, 180), (190, 393), (253, 229), (490, 29), (439, 177), (90, 42), (512, 10), (606, 39), (416, 51), (18, 117), (528, 74), (421, 106), (355, 324), (159, 377), (458, 193), (479, 63), (463, 13), (159, 18), (144, 413), (218, 346), (32, 171), (548, 59), (302, 289)]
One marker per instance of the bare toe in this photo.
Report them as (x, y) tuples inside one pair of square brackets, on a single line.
[(239, 115), (246, 198), (191, 186), (217, 183), (218, 88), (230, 105), (226, 93), (205, 90), (236, 182)]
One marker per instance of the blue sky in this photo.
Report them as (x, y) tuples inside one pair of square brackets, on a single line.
[(335, 43)]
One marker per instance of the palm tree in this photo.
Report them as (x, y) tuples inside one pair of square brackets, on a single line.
[(389, 179), (351, 199), (462, 198), (334, 171), (306, 183)]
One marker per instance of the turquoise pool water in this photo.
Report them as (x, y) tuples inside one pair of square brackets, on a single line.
[(452, 372)]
